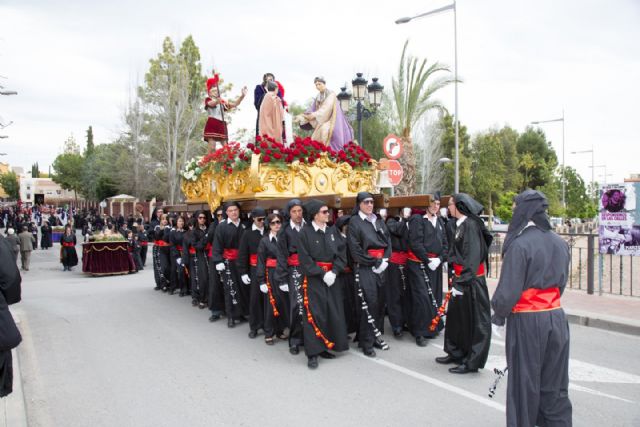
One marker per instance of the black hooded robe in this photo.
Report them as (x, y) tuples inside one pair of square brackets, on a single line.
[(537, 341), (287, 273), (425, 241), (362, 237), (249, 243), (268, 251), (468, 327), (178, 276), (10, 293), (325, 305), (398, 290), (236, 295)]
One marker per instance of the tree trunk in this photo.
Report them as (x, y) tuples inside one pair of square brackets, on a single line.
[(408, 163)]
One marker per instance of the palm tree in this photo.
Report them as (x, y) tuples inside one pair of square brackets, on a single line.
[(413, 91)]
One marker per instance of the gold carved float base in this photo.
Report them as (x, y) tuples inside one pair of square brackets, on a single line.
[(265, 181)]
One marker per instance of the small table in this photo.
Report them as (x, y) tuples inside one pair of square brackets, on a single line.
[(107, 258)]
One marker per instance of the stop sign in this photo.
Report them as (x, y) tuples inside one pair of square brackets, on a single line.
[(395, 172)]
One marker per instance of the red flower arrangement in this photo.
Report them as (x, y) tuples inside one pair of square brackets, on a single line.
[(233, 157), (227, 159)]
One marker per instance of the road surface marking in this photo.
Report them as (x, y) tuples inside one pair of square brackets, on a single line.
[(427, 379)]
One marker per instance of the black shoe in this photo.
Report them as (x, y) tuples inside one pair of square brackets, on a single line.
[(398, 333), (253, 334), (201, 306), (172, 291), (294, 350), (312, 363), (327, 355), (194, 302), (231, 323), (445, 360), (462, 369), (421, 341), (157, 288), (164, 289), (369, 352), (181, 294), (214, 317), (241, 319)]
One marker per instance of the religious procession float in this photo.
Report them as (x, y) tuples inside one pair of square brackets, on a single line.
[(328, 164)]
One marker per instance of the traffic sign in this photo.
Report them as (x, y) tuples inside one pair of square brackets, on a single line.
[(395, 172), (392, 147)]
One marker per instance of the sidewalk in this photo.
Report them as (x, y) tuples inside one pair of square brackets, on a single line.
[(609, 312)]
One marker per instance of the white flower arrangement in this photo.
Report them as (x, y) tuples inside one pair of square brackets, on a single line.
[(191, 170)]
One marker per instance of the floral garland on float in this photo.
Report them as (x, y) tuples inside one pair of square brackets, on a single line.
[(270, 169)]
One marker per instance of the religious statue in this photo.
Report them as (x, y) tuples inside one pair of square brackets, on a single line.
[(215, 131), (326, 118)]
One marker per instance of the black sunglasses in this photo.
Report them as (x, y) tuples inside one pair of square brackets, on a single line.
[(324, 211), (367, 202), (276, 222), (202, 217), (259, 219)]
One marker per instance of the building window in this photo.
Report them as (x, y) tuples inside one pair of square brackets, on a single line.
[(28, 196)]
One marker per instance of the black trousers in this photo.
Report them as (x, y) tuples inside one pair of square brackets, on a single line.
[(397, 293), (422, 309), (256, 302)]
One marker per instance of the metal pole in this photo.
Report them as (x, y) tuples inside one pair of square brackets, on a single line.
[(590, 263), (359, 108), (564, 203), (455, 47), (593, 168)]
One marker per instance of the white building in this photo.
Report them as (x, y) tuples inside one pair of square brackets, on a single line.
[(43, 190)]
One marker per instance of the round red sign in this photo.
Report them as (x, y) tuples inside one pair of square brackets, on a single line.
[(392, 147), (395, 172)]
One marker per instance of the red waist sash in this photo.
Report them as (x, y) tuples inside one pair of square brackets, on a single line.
[(230, 254), (412, 257), (347, 270), (272, 262), (326, 266), (192, 250), (143, 243), (457, 269), (398, 257), (253, 259), (293, 261), (160, 243), (209, 249), (68, 245), (538, 300), (179, 248), (376, 253)]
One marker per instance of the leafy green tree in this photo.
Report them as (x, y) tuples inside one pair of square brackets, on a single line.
[(488, 168), (10, 185), (88, 152), (504, 205), (580, 204), (508, 137), (297, 109), (413, 89), (538, 160), (448, 150), (172, 95), (376, 128), (68, 172), (35, 170)]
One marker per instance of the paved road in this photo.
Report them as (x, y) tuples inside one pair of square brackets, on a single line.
[(111, 351)]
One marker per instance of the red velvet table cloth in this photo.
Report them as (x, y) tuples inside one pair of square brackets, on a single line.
[(105, 258)]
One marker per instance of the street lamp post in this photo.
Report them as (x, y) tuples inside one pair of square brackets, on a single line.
[(451, 6), (605, 172), (592, 151), (564, 203), (361, 91)]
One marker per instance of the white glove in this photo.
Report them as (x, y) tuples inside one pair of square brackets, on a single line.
[(263, 288), (382, 267), (406, 213), (246, 279), (179, 261), (497, 330), (220, 266), (329, 278), (456, 293), (434, 263), (284, 288)]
